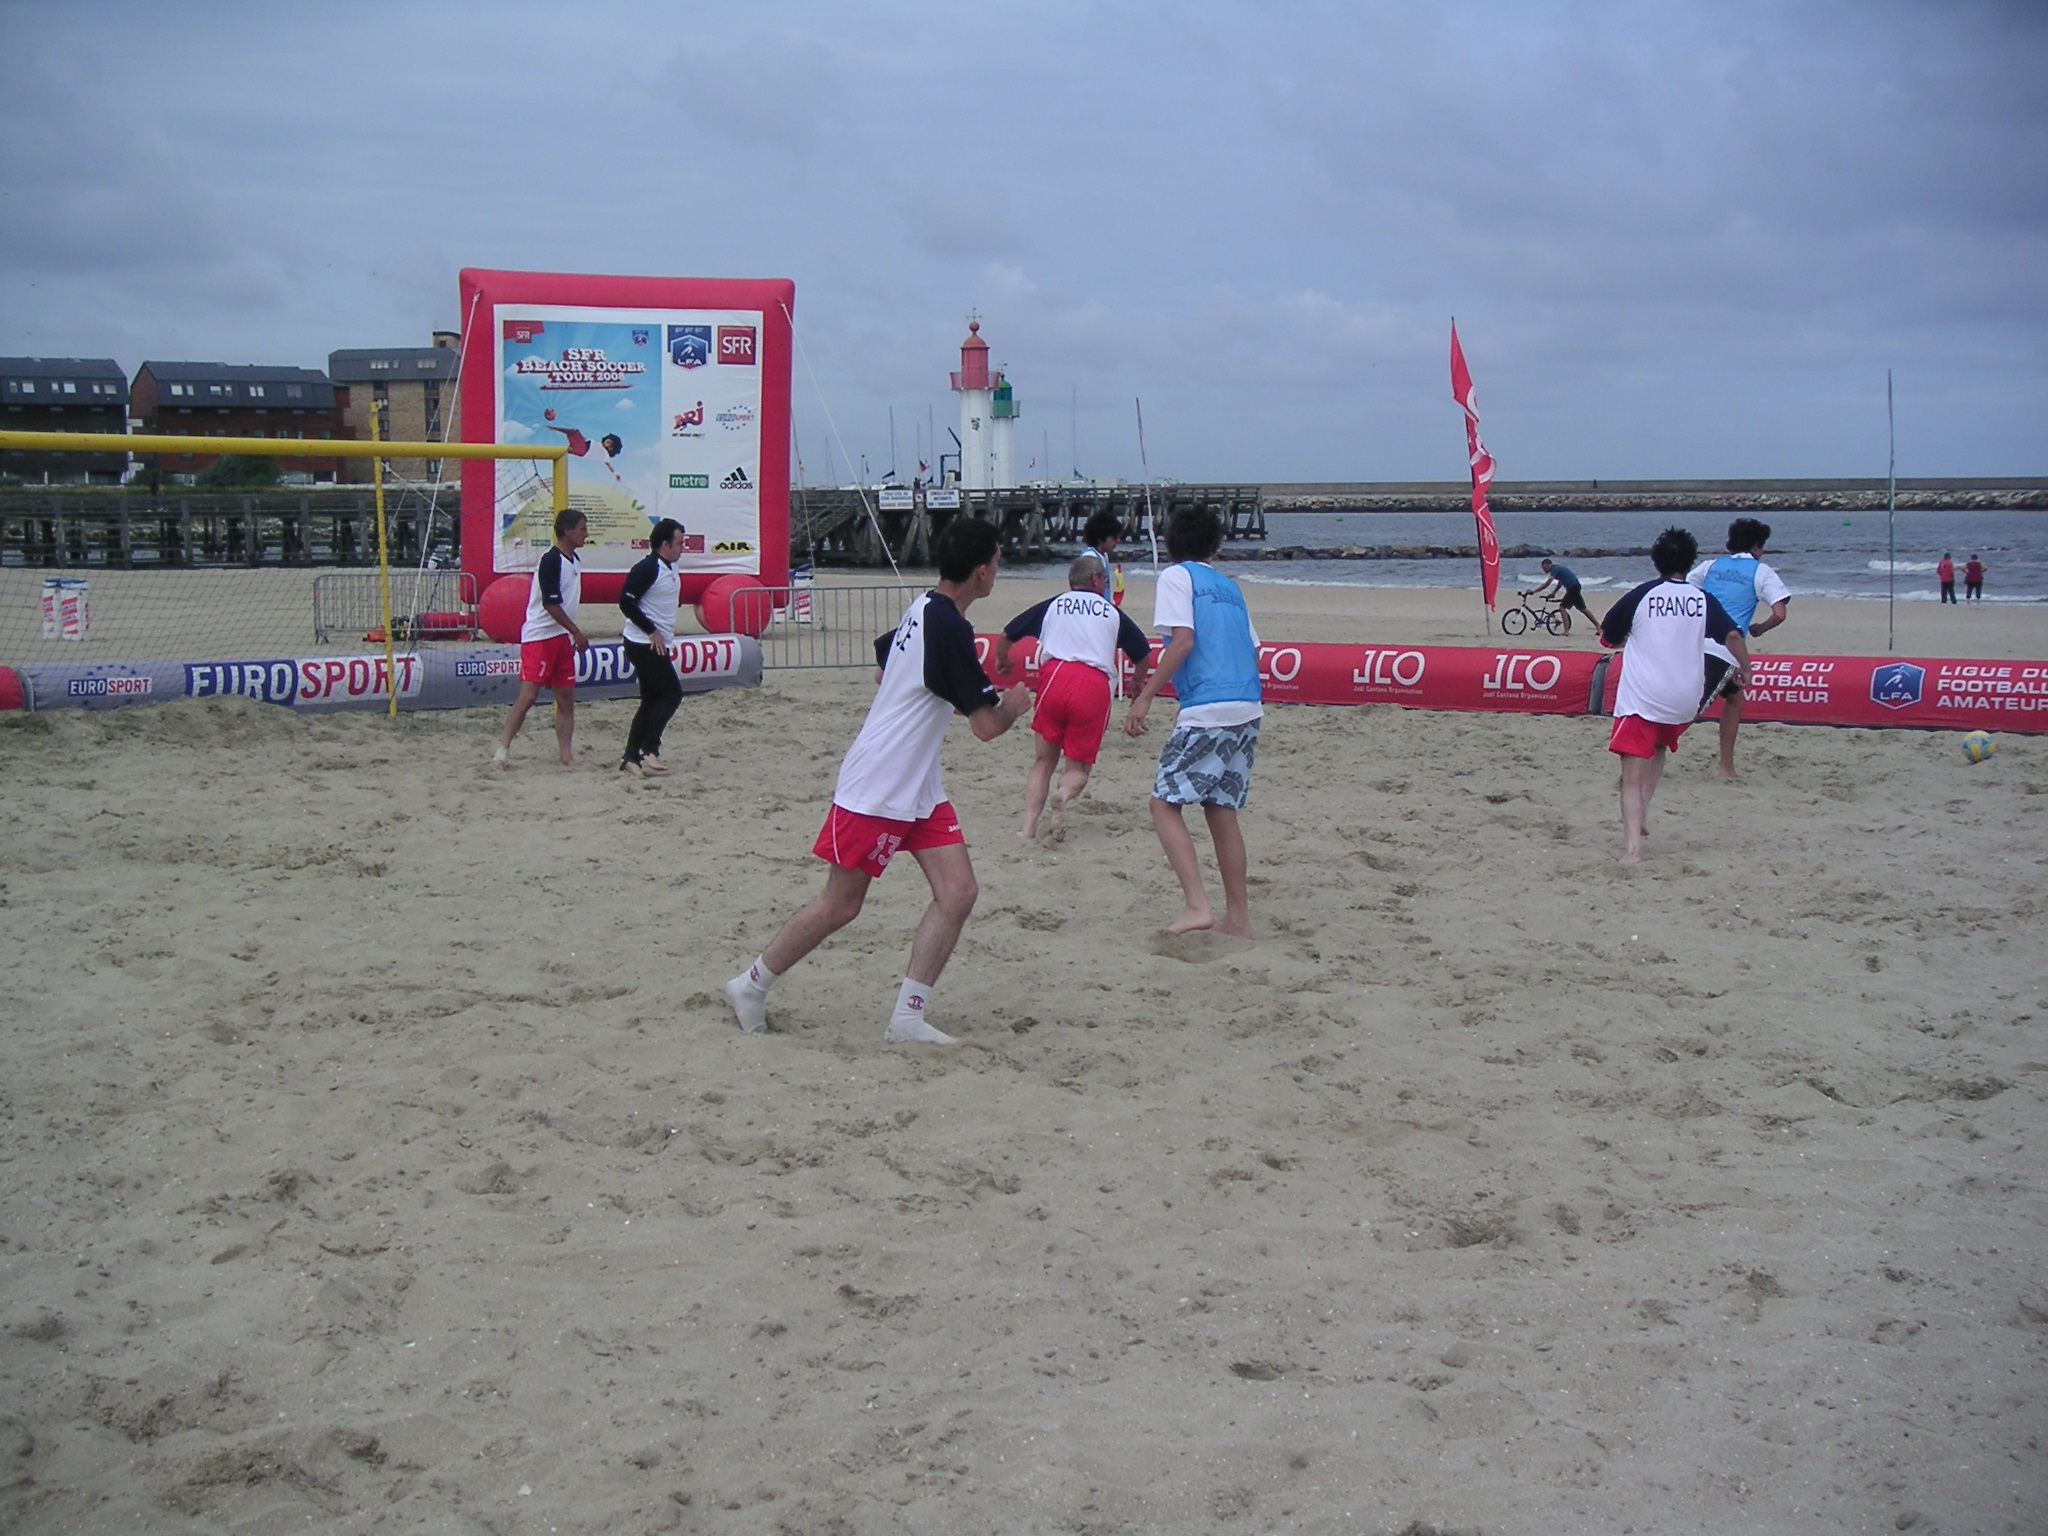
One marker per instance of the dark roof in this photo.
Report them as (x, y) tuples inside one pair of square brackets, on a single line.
[(79, 368), (359, 365), (222, 384)]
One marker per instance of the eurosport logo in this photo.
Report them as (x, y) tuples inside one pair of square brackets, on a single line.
[(736, 481), (105, 687), (736, 345), (689, 482), (689, 346), (689, 423), (273, 682), (736, 418), (497, 666), (1897, 684)]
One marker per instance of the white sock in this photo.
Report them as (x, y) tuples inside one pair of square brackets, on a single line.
[(748, 994), (907, 1022)]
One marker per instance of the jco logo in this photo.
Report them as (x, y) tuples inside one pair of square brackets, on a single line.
[(1390, 669), (1523, 674)]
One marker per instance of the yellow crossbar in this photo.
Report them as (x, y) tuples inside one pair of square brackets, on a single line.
[(291, 448)]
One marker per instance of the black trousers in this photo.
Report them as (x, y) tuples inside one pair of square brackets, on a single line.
[(1948, 591), (660, 692)]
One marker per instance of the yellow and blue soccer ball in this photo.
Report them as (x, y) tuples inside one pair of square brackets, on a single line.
[(1979, 745)]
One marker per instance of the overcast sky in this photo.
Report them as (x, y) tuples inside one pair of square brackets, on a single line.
[(1679, 239)]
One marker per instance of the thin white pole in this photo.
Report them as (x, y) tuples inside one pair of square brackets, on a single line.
[(1891, 516)]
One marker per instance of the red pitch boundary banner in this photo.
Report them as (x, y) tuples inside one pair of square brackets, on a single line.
[(1421, 676), (1924, 694)]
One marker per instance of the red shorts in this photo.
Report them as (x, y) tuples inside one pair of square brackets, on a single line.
[(1073, 709), (867, 843), (550, 662), (1636, 737)]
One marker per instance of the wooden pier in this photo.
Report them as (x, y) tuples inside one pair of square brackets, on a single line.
[(1036, 522), (130, 530)]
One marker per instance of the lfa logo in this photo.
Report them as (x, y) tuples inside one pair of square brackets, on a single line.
[(1897, 684)]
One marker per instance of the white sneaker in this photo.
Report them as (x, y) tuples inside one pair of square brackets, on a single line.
[(917, 1031), (750, 1004)]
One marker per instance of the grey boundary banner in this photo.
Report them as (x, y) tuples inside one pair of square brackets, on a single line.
[(465, 677)]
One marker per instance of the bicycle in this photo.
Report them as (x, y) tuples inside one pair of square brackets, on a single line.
[(1547, 618)]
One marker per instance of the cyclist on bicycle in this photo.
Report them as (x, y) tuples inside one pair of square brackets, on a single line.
[(1562, 587)]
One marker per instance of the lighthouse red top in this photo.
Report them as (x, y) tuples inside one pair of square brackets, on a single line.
[(973, 372)]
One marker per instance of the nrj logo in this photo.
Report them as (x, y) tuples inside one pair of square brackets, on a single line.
[(1897, 684), (685, 420)]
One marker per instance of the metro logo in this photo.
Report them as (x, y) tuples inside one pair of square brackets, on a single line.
[(689, 482), (736, 344)]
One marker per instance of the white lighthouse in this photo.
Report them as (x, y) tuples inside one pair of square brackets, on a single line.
[(988, 414)]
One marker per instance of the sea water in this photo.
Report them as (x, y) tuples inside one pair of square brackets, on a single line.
[(1819, 554)]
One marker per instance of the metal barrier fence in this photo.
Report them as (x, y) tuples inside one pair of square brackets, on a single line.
[(425, 605), (814, 626)]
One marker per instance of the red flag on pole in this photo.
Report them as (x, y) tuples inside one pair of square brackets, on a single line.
[(1482, 472)]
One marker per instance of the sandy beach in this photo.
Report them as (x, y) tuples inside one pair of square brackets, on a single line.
[(379, 1153)]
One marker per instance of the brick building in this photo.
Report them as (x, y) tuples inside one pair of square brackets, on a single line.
[(239, 400), (415, 386), (63, 394)]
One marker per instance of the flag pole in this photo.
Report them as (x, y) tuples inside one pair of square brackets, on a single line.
[(1891, 517)]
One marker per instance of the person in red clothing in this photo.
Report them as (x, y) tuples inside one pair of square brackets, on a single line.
[(1973, 580), (1946, 572)]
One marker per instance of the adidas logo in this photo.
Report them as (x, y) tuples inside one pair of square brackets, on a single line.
[(736, 481)]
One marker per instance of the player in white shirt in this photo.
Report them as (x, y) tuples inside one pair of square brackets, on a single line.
[(1742, 583), (1662, 628), (549, 641), (889, 797), (1079, 634)]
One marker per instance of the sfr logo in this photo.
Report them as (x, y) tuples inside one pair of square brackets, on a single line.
[(736, 344)]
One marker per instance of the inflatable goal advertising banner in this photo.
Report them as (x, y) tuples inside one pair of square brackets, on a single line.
[(672, 398)]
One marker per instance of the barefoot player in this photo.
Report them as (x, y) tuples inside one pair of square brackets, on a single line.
[(1743, 584), (1079, 634), (549, 642), (1662, 628), (1212, 658), (889, 796)]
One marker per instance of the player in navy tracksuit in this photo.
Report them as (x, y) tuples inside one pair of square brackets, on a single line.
[(648, 600)]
